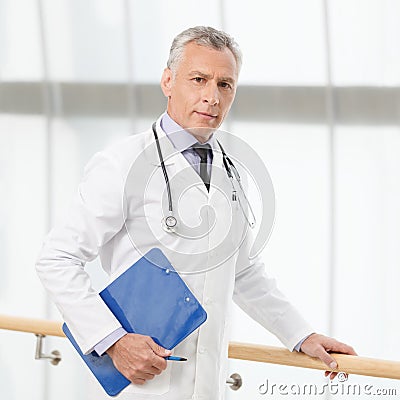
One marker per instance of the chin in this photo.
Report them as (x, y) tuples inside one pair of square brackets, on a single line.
[(202, 132)]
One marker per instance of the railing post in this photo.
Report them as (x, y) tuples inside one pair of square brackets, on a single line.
[(54, 357)]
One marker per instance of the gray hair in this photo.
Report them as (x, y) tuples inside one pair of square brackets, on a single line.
[(203, 36)]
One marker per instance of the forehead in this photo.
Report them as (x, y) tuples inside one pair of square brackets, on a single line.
[(208, 60)]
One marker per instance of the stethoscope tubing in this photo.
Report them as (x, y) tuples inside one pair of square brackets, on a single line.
[(170, 221), (160, 156)]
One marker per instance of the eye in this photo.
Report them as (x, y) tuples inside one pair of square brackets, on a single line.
[(198, 79), (225, 85)]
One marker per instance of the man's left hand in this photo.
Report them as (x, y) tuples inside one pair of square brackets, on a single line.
[(319, 346)]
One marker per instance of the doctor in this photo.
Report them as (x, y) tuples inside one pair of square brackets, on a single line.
[(200, 84)]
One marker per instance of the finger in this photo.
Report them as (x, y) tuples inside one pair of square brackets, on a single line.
[(138, 381), (159, 363), (345, 349), (330, 374), (326, 358), (339, 347), (155, 371), (143, 375), (151, 369), (153, 364), (160, 351)]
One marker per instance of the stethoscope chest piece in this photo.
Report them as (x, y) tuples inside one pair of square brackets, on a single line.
[(169, 223)]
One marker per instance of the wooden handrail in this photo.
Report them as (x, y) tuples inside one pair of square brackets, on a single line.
[(241, 351), (37, 326), (350, 364)]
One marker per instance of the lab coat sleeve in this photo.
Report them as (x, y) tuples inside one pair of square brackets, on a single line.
[(94, 218), (257, 294)]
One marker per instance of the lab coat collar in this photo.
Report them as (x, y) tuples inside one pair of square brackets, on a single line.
[(173, 156), (180, 138), (167, 148), (173, 146)]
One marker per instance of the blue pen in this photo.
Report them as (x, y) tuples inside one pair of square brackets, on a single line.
[(173, 358)]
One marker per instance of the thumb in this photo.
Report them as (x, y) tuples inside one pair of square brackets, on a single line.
[(159, 350), (327, 359)]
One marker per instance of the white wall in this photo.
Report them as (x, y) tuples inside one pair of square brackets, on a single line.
[(334, 248)]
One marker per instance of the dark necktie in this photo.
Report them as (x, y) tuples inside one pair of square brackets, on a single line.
[(202, 150)]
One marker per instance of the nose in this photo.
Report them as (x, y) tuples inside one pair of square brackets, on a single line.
[(210, 94)]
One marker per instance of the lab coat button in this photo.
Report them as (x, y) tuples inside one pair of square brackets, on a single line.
[(207, 301), (202, 350)]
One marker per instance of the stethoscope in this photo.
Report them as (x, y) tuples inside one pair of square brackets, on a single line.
[(170, 222)]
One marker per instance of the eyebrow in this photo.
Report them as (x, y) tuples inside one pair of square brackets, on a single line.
[(207, 76)]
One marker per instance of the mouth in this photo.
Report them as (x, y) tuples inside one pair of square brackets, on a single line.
[(205, 115)]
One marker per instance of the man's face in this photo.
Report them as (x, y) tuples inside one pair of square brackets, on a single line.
[(202, 90)]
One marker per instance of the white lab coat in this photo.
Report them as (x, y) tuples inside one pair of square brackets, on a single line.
[(125, 183)]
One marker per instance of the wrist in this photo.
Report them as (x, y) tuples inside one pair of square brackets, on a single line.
[(111, 350)]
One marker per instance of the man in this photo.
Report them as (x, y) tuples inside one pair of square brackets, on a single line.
[(200, 85)]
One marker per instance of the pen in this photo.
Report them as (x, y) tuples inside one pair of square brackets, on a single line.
[(173, 358)]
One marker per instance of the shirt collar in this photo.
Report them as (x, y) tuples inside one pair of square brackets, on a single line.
[(180, 138)]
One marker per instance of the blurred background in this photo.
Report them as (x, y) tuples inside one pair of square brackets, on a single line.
[(319, 99)]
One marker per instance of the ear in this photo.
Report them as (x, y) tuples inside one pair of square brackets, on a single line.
[(166, 82)]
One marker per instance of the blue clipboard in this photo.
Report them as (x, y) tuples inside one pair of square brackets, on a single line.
[(149, 298)]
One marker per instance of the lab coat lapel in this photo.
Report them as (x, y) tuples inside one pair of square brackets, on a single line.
[(167, 149), (188, 191), (219, 183), (181, 172), (185, 177)]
